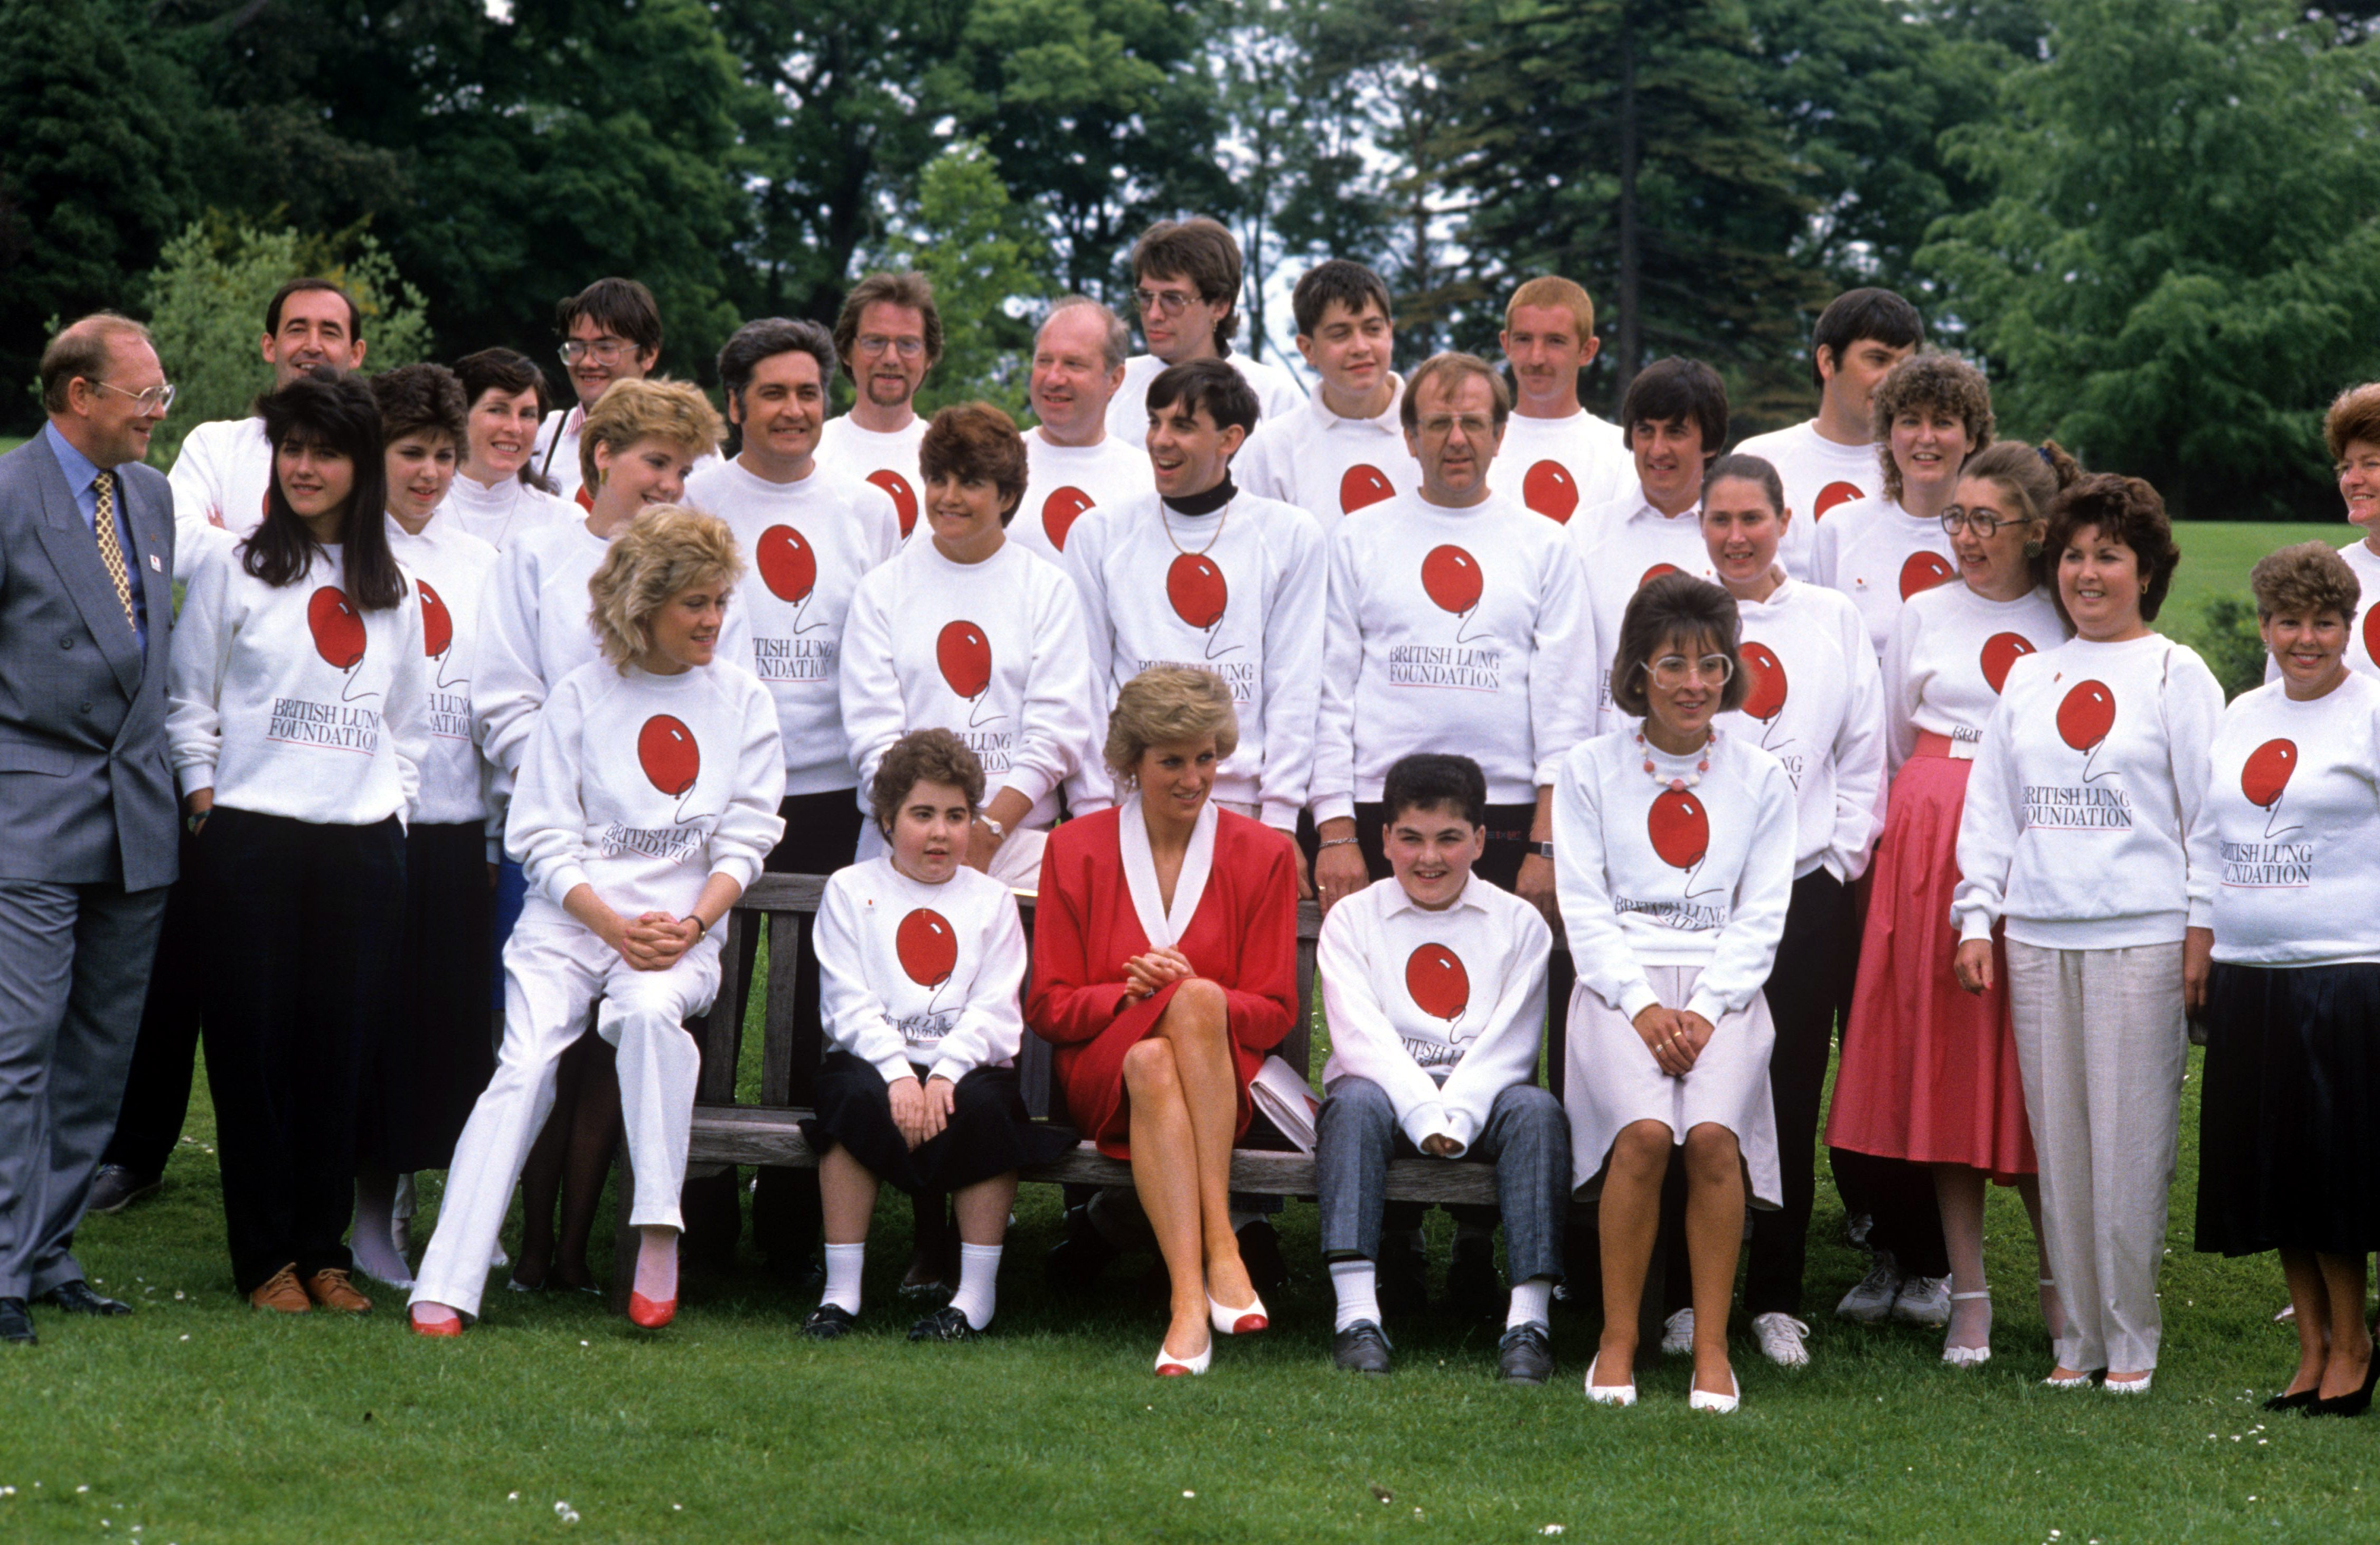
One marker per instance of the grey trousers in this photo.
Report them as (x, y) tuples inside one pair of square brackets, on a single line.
[(2101, 1045), (1527, 1137), (74, 968)]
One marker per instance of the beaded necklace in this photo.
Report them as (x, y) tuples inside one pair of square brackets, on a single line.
[(1691, 779)]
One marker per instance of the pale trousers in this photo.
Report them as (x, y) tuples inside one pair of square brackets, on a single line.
[(2101, 1045), (556, 973)]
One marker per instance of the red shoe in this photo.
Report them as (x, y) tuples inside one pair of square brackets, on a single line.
[(650, 1315), (435, 1328)]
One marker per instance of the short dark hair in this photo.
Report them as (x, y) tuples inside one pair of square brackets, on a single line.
[(83, 347), (1453, 363), (299, 287), (1432, 780), (2308, 578), (1214, 385), (2126, 510), (324, 407), (1676, 606), (1677, 388), (767, 338), (414, 398), (975, 440), (1202, 251), (621, 307), (509, 372), (934, 756), (913, 291), (1863, 313), (1340, 282), (1751, 469)]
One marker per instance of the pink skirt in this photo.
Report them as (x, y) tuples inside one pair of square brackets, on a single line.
[(1928, 1071)]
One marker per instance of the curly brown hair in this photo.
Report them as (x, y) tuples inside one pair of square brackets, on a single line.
[(2307, 579), (975, 440), (2354, 415), (2122, 510), (1924, 381), (934, 756)]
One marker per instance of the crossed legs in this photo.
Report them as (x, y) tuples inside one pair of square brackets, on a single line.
[(1185, 1099)]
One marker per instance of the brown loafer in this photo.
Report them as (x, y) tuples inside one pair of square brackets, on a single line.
[(282, 1295), (330, 1289)]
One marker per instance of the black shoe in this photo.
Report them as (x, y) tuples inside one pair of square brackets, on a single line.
[(75, 1297), (1075, 1263), (1362, 1347), (2355, 1401), (1402, 1281), (947, 1323), (1474, 1291), (2294, 1401), (1260, 1253), (828, 1322), (17, 1323), (1524, 1356), (116, 1188)]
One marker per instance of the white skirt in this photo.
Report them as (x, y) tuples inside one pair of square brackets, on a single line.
[(1611, 1081)]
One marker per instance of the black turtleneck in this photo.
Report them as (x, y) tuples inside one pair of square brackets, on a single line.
[(1207, 503)]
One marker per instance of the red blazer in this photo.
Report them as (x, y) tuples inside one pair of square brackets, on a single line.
[(1243, 937)]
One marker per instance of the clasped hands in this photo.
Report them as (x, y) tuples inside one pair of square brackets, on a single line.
[(648, 941), (1675, 1036), (921, 1111), (1146, 975)]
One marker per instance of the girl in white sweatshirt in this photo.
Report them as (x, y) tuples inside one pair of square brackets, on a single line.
[(646, 805), (299, 724)]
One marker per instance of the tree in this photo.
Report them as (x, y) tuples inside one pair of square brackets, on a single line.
[(2180, 263), (984, 257)]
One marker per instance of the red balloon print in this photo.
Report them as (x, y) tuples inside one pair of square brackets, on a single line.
[(1437, 983), (586, 498), (2268, 771), (905, 498), (437, 622), (2372, 634), (1766, 672), (337, 627), (1837, 492), (1550, 489), (964, 656), (2086, 715), (1680, 828), (1196, 588), (788, 565), (1923, 571), (1655, 572), (665, 749), (927, 946), (2000, 651), (1360, 485), (1059, 512), (1451, 577)]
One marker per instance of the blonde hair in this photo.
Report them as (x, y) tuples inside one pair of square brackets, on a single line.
[(628, 411), (1553, 289), (1166, 704), (666, 550)]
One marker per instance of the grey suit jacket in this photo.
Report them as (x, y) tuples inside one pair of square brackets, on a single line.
[(85, 790)]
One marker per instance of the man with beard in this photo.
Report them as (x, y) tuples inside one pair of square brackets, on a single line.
[(888, 336)]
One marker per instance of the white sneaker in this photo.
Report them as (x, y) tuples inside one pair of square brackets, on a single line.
[(1678, 1333), (1780, 1338), (1871, 1299), (1922, 1301)]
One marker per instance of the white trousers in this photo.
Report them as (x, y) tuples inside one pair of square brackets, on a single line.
[(2101, 1045), (555, 974)]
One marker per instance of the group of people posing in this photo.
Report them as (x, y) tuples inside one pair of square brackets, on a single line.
[(1864, 725)]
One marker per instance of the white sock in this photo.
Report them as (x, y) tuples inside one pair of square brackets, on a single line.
[(1354, 1282), (1531, 1300), (979, 1282), (843, 1264)]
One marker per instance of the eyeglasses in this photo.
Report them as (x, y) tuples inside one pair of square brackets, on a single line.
[(1475, 426), (607, 351), (156, 399), (1982, 522), (876, 343), (1673, 671), (1171, 303)]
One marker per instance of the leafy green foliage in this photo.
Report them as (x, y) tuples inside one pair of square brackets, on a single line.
[(983, 256), (2226, 637)]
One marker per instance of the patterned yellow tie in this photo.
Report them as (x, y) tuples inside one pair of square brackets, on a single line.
[(111, 551)]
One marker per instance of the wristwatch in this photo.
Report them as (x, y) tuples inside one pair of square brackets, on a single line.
[(1542, 849), (998, 833)]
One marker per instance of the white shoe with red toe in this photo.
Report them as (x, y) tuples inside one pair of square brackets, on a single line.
[(1237, 1322), (1169, 1366)]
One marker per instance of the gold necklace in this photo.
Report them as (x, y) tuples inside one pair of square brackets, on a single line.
[(1166, 521)]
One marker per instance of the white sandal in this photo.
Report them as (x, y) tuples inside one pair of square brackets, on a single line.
[(1609, 1394), (1969, 1356)]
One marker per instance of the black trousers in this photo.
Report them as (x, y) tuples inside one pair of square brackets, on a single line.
[(157, 1091), (1816, 961), (302, 924)]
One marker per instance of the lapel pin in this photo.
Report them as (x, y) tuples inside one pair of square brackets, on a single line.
[(155, 564)]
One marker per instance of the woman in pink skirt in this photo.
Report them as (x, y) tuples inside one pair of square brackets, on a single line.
[(1929, 1071)]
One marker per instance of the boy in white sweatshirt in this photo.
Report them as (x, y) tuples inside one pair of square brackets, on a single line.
[(1346, 448)]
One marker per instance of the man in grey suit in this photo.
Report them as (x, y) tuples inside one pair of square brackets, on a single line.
[(87, 806)]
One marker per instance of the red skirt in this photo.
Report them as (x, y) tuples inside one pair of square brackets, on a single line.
[(1091, 1074), (1928, 1071)]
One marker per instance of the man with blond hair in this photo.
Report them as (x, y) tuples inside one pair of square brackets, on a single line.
[(1558, 458)]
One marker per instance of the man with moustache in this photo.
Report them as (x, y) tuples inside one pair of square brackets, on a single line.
[(888, 336), (1072, 464), (1559, 459), (1185, 278), (611, 331), (1344, 449)]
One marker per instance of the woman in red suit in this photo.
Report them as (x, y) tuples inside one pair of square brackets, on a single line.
[(1164, 967)]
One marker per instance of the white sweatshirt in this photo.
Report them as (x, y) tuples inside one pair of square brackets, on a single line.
[(451, 572), (562, 467), (1443, 1010), (1064, 482), (1950, 657), (1326, 464), (2363, 635), (1240, 592), (1460, 630), (644, 786), (1817, 707), (1652, 875), (1879, 555), (805, 545), (890, 461), (500, 513), (293, 701), (2291, 828), (991, 651), (220, 478), (1624, 546), (1276, 391), (2091, 780), (1562, 468), (916, 974), (1819, 475)]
